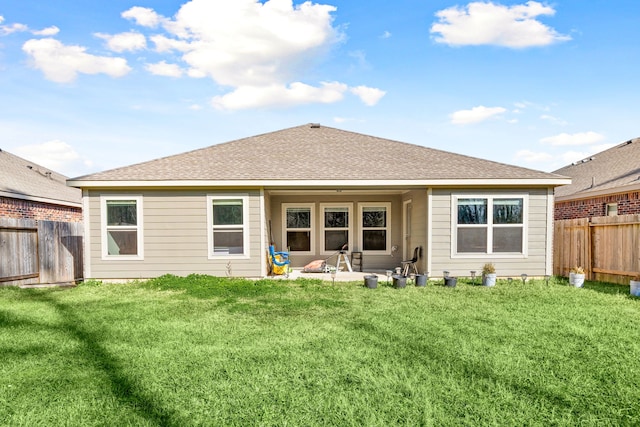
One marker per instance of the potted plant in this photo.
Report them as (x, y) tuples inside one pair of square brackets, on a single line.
[(488, 274), (576, 276), (634, 285)]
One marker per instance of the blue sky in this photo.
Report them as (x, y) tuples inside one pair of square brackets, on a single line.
[(89, 86)]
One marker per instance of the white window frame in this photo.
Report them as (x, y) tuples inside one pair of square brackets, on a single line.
[(139, 227), (611, 209), (312, 227), (387, 206), (245, 225), (490, 226), (323, 229)]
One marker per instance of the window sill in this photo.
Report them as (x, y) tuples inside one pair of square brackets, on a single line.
[(122, 258), (229, 256), (490, 256)]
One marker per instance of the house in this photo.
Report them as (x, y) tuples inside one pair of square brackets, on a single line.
[(310, 189), (30, 191), (607, 183), (40, 222)]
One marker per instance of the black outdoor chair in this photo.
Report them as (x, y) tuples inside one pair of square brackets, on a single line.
[(410, 264)]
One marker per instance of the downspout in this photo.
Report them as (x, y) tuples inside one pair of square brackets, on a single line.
[(86, 223), (550, 228), (263, 240), (429, 239)]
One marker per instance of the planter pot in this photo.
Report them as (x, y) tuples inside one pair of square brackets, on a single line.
[(571, 278), (421, 280), (450, 282), (371, 282), (399, 281), (489, 279), (578, 280), (634, 288)]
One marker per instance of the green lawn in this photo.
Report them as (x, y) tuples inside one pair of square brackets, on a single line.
[(207, 351)]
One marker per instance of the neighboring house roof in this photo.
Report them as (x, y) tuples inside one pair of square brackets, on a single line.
[(22, 179), (611, 171), (315, 155)]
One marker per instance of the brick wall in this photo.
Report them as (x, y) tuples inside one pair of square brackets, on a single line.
[(25, 209), (628, 203)]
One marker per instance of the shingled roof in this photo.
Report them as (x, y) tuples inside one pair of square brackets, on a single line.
[(314, 152), (22, 179), (606, 171)]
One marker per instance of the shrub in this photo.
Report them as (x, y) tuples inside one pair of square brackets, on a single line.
[(488, 268), (577, 270)]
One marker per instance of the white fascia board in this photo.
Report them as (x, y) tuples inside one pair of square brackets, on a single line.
[(40, 199), (597, 193), (325, 183)]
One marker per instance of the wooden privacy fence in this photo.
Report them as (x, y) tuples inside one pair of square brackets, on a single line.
[(40, 252), (607, 247)]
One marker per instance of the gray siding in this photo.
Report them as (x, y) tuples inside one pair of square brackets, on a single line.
[(533, 264), (175, 237)]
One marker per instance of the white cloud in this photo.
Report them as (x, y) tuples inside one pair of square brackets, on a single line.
[(369, 95), (163, 69), (55, 155), (475, 115), (601, 147), (529, 156), (555, 160), (581, 138), (258, 48), (573, 156), (49, 31), (61, 63), (360, 59), (143, 16), (280, 95), (130, 41), (246, 42), (165, 44), (553, 119), (5, 30), (386, 35), (487, 23)]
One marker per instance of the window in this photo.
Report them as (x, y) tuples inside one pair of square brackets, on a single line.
[(489, 225), (298, 223), (612, 209), (375, 221), (336, 227), (228, 220), (121, 218)]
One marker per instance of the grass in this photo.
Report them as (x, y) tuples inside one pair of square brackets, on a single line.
[(209, 351)]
